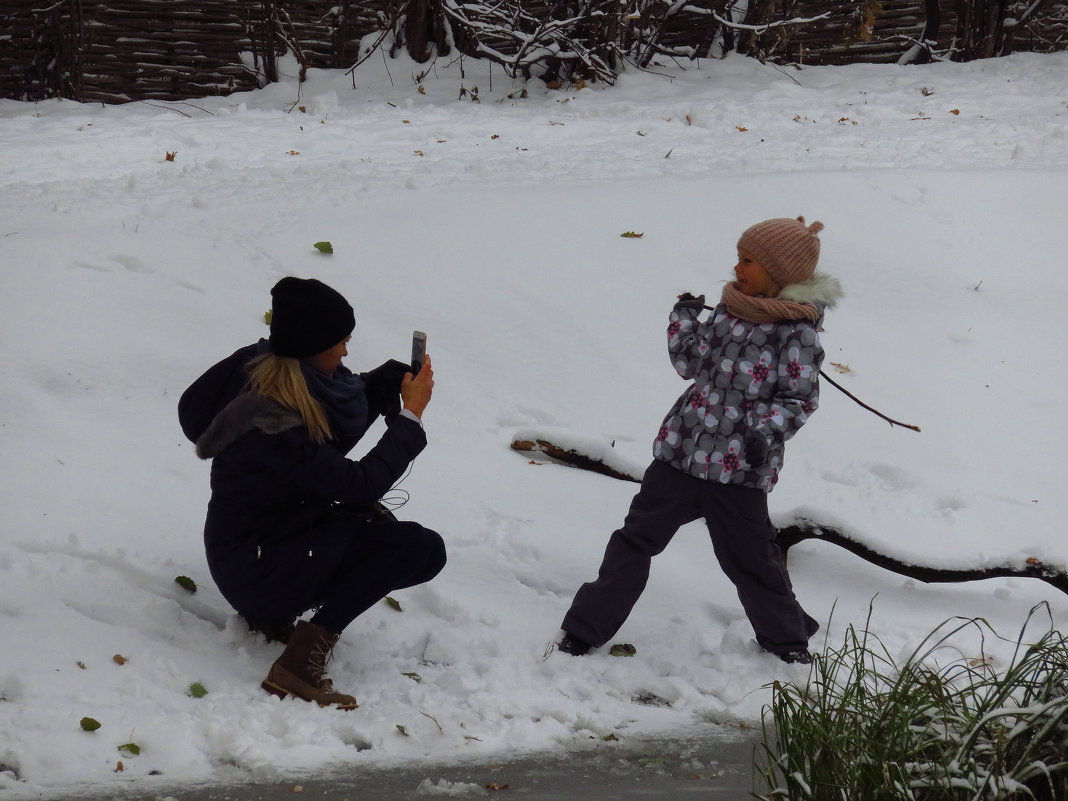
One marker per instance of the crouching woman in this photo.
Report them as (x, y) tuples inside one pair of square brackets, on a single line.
[(293, 524)]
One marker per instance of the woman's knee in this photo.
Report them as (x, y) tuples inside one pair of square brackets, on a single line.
[(434, 548), (424, 546)]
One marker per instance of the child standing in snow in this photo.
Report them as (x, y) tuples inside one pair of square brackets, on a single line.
[(754, 364)]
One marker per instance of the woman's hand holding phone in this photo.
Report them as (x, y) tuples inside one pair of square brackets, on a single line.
[(417, 389)]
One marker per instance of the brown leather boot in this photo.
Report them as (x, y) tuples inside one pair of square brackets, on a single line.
[(301, 669)]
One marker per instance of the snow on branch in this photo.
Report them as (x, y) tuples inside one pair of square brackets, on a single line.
[(803, 529), (518, 39), (767, 26), (589, 455)]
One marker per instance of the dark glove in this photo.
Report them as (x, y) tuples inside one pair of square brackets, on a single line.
[(688, 301), (756, 449), (383, 386)]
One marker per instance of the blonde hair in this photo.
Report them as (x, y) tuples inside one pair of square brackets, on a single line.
[(280, 379)]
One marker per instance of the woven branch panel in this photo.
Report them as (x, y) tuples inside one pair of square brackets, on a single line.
[(122, 50)]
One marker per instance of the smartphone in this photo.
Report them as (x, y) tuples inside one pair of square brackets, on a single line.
[(418, 350)]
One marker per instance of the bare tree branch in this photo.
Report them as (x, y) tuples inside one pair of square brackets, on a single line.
[(807, 530), (803, 529)]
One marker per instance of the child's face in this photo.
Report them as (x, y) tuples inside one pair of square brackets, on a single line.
[(753, 279)]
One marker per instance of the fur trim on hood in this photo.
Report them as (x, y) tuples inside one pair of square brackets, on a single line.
[(244, 413), (821, 290)]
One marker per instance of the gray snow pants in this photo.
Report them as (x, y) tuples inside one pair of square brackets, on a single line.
[(743, 539)]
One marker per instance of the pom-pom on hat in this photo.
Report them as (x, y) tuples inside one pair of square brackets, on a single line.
[(307, 317), (788, 249)]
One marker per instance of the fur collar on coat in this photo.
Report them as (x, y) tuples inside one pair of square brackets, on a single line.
[(821, 290), (244, 413)]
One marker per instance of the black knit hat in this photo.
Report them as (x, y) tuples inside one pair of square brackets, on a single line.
[(308, 317)]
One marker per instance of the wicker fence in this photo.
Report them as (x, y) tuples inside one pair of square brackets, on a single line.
[(121, 50)]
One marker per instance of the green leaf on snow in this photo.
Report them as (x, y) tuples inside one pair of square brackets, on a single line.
[(186, 583), (197, 690)]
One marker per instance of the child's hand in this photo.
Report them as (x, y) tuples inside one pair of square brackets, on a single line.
[(756, 449), (688, 301)]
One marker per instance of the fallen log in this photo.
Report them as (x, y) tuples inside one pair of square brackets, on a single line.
[(571, 457), (803, 529)]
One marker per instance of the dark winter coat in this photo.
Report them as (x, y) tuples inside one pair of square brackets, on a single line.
[(760, 377), (283, 507)]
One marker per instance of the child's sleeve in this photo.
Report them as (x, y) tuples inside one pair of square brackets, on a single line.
[(797, 393), (685, 334)]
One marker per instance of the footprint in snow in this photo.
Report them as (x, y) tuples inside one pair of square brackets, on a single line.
[(132, 263)]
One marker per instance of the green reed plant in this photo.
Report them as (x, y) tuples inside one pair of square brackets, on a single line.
[(939, 726)]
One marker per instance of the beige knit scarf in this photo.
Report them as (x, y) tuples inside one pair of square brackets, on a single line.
[(765, 310)]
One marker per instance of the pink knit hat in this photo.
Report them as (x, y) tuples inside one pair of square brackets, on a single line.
[(787, 248)]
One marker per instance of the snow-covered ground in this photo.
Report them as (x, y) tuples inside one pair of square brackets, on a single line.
[(495, 227)]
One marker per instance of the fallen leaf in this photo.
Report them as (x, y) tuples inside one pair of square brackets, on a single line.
[(80, 664), (402, 730), (418, 152), (623, 649), (324, 247), (169, 156), (130, 749), (497, 786), (292, 152), (394, 603), (955, 111), (740, 128), (495, 136), (89, 724), (421, 90), (842, 368), (197, 690), (414, 677), (119, 768), (184, 581), (632, 235), (119, 659)]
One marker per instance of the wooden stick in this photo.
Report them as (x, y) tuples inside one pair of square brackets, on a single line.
[(853, 397)]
